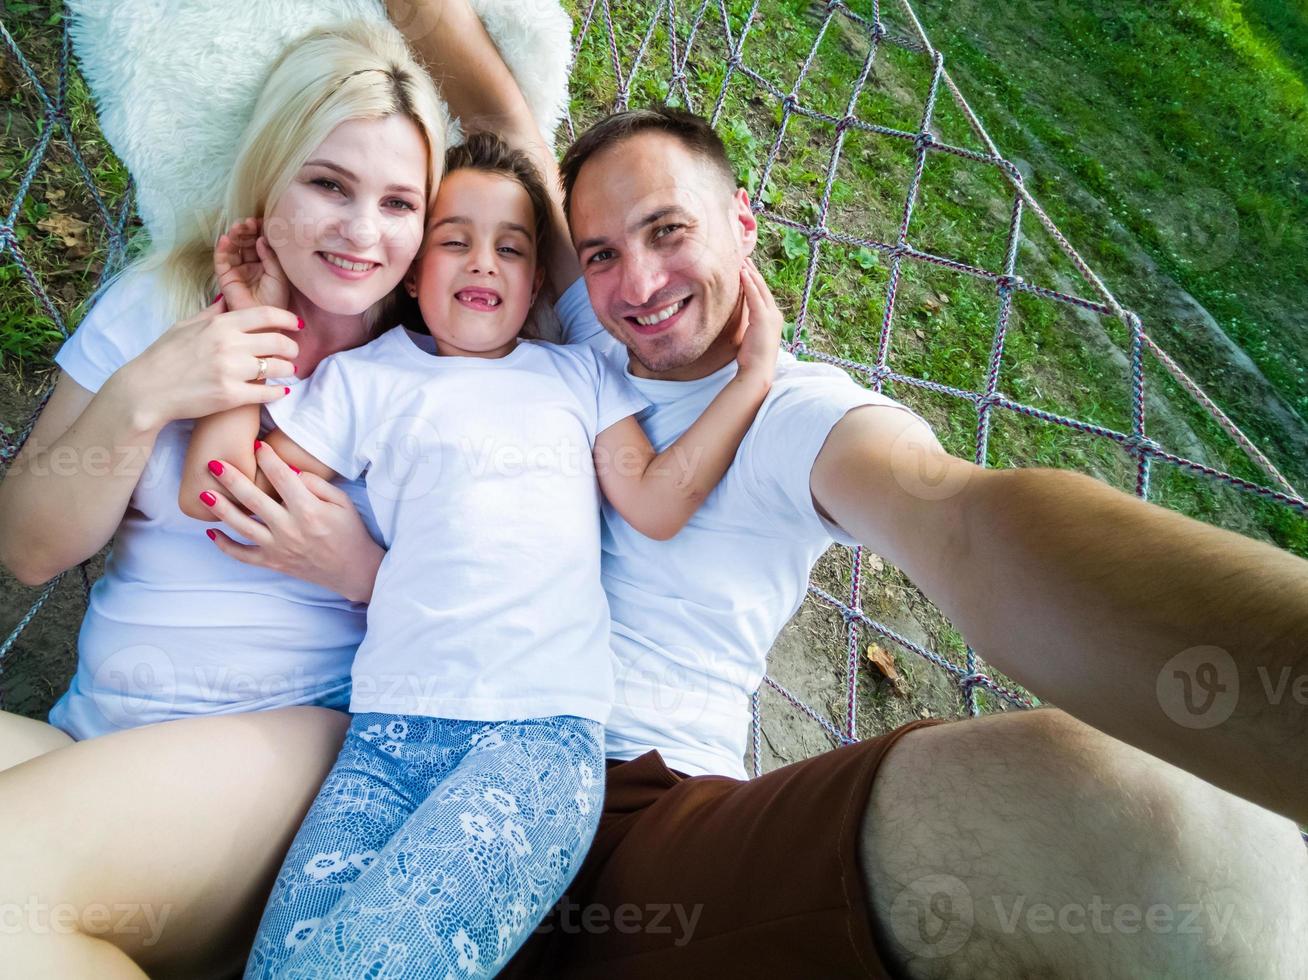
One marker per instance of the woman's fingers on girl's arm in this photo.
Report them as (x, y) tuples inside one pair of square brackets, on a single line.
[(325, 490), (233, 516), (247, 553), (242, 489), (254, 319), (282, 478)]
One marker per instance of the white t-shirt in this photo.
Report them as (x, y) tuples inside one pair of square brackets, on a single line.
[(174, 627), (694, 617), (488, 605)]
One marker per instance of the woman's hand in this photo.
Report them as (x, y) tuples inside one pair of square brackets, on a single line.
[(314, 534), (209, 363), (761, 322), (247, 269)]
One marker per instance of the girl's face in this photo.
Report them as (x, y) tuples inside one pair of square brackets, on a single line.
[(476, 276), (347, 228)]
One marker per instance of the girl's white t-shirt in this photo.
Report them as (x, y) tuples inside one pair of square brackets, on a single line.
[(488, 605)]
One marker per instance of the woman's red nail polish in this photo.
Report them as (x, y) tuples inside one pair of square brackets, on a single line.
[(296, 468), (286, 391), (213, 536), (294, 369), (299, 324), (215, 467), (208, 499), (257, 445), (216, 298)]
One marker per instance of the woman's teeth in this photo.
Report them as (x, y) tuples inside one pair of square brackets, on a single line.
[(661, 315), (352, 266)]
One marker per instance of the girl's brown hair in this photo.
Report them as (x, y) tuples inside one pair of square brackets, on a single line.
[(486, 152)]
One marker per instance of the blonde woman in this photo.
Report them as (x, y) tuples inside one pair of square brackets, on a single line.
[(150, 844)]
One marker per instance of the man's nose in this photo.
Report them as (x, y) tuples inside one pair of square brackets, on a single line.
[(642, 277)]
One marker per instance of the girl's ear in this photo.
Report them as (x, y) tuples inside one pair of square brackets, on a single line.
[(411, 283), (536, 284)]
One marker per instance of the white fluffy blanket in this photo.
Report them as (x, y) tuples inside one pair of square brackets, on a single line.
[(175, 80)]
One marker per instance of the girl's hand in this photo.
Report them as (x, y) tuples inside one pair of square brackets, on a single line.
[(314, 534), (248, 272), (209, 362), (759, 337)]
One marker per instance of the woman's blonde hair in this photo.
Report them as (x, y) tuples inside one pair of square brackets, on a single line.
[(355, 70)]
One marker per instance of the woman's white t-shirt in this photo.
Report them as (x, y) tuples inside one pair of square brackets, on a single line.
[(174, 627), (488, 605)]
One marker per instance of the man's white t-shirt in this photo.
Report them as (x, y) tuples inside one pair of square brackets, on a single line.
[(694, 617), (488, 605)]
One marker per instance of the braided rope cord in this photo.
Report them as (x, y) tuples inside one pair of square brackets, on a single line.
[(721, 27)]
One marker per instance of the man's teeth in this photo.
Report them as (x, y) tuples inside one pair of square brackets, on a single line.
[(661, 315), (352, 266)]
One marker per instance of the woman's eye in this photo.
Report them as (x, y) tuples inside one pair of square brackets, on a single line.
[(326, 184), (402, 204)]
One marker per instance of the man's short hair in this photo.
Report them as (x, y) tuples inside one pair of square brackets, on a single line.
[(694, 133)]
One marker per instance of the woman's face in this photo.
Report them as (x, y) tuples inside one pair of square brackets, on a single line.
[(477, 275), (349, 225)]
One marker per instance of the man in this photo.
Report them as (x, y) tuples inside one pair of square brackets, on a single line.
[(1020, 844)]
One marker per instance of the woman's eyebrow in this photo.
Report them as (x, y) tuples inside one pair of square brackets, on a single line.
[(349, 175)]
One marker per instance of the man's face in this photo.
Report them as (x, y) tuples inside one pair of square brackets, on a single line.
[(661, 237)]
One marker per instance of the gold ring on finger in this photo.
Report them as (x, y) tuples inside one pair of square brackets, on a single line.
[(263, 369)]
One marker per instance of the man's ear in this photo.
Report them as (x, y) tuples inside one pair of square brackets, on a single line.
[(743, 215)]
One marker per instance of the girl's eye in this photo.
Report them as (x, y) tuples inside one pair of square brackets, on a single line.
[(402, 204), (326, 183), (455, 243), (510, 249)]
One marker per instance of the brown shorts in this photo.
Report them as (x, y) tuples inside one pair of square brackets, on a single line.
[(708, 876)]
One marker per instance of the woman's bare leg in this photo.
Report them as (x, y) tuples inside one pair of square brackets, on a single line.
[(159, 842), (26, 738)]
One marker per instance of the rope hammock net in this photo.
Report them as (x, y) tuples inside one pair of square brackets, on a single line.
[(699, 56)]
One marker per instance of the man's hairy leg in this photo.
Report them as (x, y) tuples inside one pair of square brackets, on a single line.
[(1031, 845)]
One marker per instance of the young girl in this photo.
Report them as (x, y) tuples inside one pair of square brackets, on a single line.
[(470, 782)]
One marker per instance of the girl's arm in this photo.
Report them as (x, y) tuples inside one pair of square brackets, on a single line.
[(248, 275), (657, 493), (227, 436)]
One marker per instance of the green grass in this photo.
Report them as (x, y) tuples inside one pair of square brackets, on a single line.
[(1152, 145), (28, 334)]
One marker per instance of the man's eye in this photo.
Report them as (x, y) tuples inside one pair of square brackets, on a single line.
[(667, 228), (601, 256)]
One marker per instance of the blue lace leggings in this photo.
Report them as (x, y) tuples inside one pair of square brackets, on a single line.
[(433, 849)]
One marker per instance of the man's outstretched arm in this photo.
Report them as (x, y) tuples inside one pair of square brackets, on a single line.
[(448, 37), (1185, 640)]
